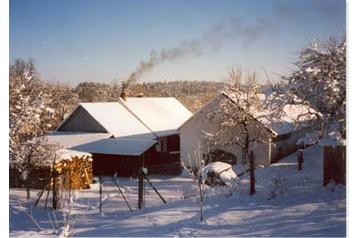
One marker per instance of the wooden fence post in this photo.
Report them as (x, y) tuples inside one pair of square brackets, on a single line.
[(100, 195), (300, 158), (252, 172), (54, 190), (141, 189)]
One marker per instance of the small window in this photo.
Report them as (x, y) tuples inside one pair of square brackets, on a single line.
[(158, 146), (164, 144)]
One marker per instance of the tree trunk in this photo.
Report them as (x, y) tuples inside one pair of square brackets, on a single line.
[(247, 142), (28, 191), (252, 173), (28, 186), (201, 201)]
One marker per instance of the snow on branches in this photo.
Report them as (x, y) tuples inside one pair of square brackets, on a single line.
[(235, 115), (320, 82), (31, 115)]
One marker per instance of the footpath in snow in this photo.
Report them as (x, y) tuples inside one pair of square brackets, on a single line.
[(288, 202)]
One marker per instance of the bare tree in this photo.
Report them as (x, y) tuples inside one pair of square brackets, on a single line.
[(238, 118), (196, 165)]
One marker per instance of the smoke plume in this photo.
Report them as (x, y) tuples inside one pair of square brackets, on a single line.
[(213, 39)]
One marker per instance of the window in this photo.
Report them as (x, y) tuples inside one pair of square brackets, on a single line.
[(162, 145)]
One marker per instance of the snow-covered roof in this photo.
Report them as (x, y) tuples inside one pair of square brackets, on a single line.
[(71, 139), (65, 154), (310, 138), (294, 117), (116, 146), (162, 115), (99, 143), (333, 139), (132, 124), (290, 120), (117, 120)]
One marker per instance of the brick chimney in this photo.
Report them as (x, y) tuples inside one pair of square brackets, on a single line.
[(124, 91)]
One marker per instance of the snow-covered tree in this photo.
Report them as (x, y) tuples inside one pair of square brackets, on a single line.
[(238, 117), (30, 118), (320, 81), (63, 99)]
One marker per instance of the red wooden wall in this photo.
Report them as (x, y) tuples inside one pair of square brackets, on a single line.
[(126, 166)]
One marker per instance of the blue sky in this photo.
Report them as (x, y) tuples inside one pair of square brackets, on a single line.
[(104, 40)]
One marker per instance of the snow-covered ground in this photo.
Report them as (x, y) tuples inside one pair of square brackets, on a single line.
[(288, 202)]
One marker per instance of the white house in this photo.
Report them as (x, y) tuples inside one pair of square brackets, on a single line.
[(282, 135)]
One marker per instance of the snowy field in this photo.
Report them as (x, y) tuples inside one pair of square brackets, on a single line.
[(287, 203)]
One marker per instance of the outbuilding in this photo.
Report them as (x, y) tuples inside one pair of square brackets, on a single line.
[(125, 135), (282, 135)]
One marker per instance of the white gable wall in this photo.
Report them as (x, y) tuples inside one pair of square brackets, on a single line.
[(191, 139)]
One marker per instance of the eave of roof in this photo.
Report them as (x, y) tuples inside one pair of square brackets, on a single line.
[(116, 146)]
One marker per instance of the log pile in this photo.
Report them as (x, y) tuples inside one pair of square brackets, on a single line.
[(74, 173), (71, 169)]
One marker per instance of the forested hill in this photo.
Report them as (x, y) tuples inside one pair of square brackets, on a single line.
[(193, 94)]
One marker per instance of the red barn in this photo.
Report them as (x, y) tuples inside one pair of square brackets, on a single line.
[(123, 136)]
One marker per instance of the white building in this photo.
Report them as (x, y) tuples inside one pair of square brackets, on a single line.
[(282, 135)]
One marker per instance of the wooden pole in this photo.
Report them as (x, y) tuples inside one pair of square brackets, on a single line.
[(124, 197), (39, 197), (252, 172), (141, 189), (48, 193), (100, 195), (54, 191), (69, 184), (300, 159), (155, 190)]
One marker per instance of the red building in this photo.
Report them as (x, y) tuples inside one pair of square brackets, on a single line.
[(126, 135)]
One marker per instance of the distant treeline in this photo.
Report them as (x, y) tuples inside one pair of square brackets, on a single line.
[(193, 94)]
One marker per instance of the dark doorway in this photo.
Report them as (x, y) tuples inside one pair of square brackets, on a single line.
[(222, 156)]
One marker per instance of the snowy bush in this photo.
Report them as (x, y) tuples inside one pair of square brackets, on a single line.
[(217, 173)]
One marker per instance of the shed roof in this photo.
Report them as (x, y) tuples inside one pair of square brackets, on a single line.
[(162, 115), (135, 125), (294, 117), (71, 139), (116, 146), (117, 120)]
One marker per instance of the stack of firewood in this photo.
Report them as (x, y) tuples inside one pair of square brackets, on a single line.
[(74, 172)]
